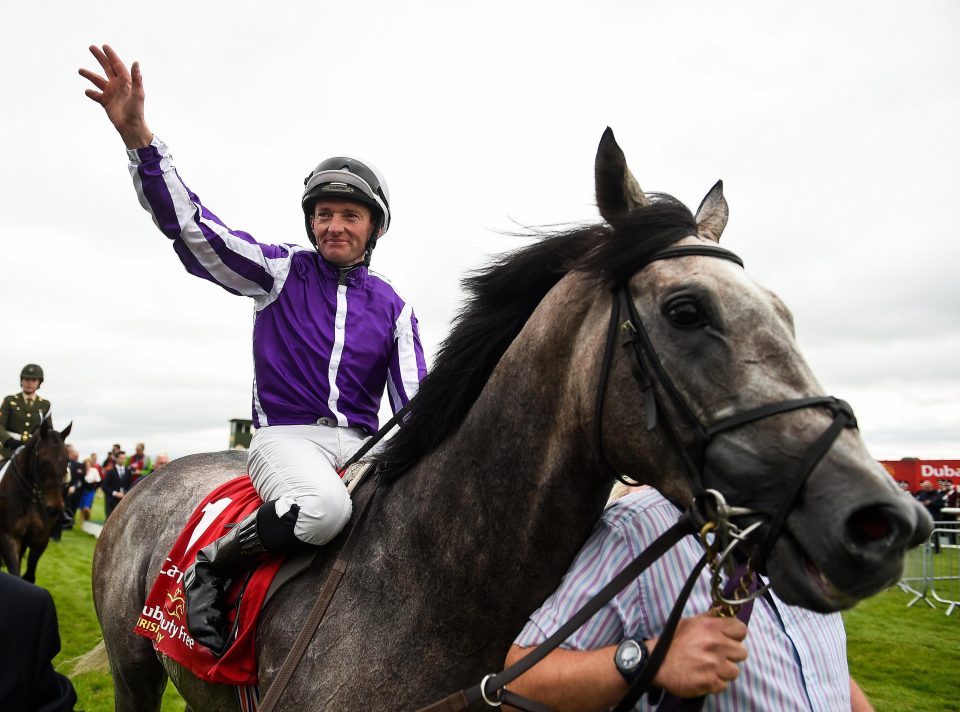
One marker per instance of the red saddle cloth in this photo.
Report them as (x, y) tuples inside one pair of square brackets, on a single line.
[(163, 619)]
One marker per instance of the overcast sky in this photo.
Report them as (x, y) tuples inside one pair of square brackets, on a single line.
[(834, 126)]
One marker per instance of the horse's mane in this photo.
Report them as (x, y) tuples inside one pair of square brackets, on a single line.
[(500, 299)]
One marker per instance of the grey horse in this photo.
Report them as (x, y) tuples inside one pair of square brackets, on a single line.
[(498, 475)]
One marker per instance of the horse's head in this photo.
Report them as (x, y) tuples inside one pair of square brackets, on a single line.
[(710, 370), (44, 459)]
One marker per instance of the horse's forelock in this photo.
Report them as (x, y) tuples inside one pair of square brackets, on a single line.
[(634, 238)]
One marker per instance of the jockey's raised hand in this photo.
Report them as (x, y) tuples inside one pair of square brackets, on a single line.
[(120, 93)]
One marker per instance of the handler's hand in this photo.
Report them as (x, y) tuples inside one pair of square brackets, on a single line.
[(703, 656), (121, 95)]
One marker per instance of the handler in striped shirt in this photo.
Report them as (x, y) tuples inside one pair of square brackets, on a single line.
[(797, 658), (329, 336)]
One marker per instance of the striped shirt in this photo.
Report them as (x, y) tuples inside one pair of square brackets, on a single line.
[(321, 348), (796, 658)]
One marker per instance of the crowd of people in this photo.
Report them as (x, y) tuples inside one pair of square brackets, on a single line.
[(21, 413), (115, 476), (937, 496)]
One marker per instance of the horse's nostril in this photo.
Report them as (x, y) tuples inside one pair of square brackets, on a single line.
[(868, 525)]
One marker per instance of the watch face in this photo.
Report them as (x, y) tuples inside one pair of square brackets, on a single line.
[(628, 654)]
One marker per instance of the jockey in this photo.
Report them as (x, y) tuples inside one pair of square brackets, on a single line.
[(328, 336)]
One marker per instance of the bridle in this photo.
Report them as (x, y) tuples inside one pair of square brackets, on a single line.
[(30, 485), (654, 380), (709, 509)]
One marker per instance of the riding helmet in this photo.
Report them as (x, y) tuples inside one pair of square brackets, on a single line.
[(348, 179), (32, 370)]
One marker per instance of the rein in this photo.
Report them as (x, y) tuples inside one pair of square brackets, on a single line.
[(708, 509)]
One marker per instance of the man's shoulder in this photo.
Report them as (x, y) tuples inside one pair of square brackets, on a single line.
[(384, 289), (638, 502), (13, 398), (643, 514)]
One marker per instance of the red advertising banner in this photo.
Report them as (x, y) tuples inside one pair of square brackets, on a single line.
[(910, 473)]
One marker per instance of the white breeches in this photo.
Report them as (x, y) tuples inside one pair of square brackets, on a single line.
[(297, 464)]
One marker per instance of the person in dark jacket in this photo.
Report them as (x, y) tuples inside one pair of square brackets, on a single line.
[(117, 481), (29, 640)]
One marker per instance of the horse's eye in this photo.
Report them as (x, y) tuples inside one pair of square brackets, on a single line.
[(685, 314)]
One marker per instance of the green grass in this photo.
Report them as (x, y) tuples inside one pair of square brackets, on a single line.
[(905, 659)]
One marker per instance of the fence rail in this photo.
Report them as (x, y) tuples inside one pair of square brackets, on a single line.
[(932, 572)]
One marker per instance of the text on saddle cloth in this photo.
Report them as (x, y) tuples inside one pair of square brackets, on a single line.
[(163, 618)]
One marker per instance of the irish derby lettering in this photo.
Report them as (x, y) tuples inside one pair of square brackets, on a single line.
[(945, 471), (154, 621)]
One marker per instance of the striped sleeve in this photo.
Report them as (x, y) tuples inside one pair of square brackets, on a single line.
[(205, 245), (601, 558), (407, 364)]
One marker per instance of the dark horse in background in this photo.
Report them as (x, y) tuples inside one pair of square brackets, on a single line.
[(498, 475), (31, 498)]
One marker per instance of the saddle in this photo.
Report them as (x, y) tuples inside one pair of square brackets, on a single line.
[(163, 618)]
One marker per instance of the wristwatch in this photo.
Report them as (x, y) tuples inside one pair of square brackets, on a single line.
[(631, 658)]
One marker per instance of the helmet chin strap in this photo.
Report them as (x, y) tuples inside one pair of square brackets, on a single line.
[(372, 242)]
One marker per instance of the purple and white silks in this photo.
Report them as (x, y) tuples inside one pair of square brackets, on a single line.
[(320, 349), (797, 660)]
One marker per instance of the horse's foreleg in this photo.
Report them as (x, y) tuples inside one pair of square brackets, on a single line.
[(10, 554), (32, 558)]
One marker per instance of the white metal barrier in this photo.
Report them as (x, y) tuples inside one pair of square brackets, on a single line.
[(932, 572)]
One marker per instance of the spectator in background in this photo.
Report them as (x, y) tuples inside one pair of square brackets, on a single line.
[(29, 640), (162, 459), (933, 501), (110, 458), (91, 481), (76, 471), (931, 498), (953, 498), (72, 483), (140, 464), (116, 482)]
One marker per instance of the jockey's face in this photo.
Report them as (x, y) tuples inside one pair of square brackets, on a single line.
[(341, 229), (29, 385)]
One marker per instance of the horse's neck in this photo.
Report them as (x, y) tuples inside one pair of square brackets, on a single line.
[(518, 485)]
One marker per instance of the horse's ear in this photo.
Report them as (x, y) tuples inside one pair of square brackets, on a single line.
[(66, 431), (713, 213), (45, 425), (618, 192)]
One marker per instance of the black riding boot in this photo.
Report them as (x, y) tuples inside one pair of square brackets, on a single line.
[(207, 580)]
